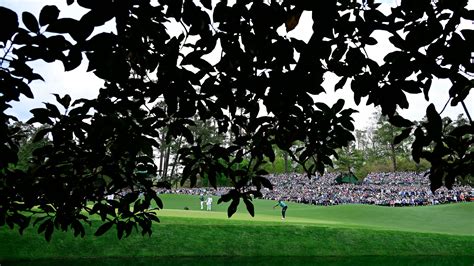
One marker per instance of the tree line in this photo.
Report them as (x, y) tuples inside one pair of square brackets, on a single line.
[(373, 150)]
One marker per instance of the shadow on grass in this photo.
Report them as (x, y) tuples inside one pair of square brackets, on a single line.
[(259, 261)]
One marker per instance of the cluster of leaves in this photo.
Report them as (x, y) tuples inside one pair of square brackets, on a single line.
[(450, 150), (96, 144)]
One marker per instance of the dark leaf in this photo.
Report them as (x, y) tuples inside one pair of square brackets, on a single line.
[(78, 228), (24, 223), (211, 176), (405, 133), (64, 101), (265, 182), (250, 207), (103, 228), (207, 4), (337, 107), (399, 121), (40, 115), (92, 4), (347, 123), (426, 88), (43, 226), (128, 228), (39, 219), (417, 146), (35, 76), (340, 84), (48, 14), (30, 22), (233, 206), (10, 222), (73, 59), (158, 201), (9, 24), (293, 19), (370, 41), (323, 107), (221, 12), (62, 25), (262, 172), (153, 217), (339, 51), (355, 60), (411, 86), (397, 42), (49, 230), (348, 112), (120, 229), (96, 17), (25, 89), (467, 14), (434, 124), (175, 9), (53, 110), (224, 198)]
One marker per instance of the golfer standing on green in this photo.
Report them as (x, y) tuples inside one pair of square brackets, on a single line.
[(283, 208)]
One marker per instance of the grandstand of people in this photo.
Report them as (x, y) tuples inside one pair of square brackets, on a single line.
[(388, 189)]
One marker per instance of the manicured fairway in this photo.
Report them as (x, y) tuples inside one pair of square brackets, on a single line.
[(446, 219), (340, 231)]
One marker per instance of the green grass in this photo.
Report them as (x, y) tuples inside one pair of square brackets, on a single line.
[(446, 219), (349, 230)]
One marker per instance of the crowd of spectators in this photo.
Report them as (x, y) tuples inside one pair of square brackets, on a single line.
[(389, 189)]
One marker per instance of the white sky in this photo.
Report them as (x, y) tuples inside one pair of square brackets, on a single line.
[(81, 84)]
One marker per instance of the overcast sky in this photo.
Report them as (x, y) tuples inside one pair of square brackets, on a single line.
[(82, 84)]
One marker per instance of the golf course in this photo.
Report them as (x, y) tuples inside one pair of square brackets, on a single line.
[(435, 235)]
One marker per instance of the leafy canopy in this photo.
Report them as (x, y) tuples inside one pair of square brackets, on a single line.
[(95, 145)]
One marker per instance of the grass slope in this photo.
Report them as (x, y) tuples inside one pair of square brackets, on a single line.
[(446, 219), (351, 230)]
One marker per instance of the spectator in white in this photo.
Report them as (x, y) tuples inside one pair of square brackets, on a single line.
[(209, 203), (201, 198)]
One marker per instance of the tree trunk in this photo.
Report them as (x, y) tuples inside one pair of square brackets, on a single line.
[(392, 148), (175, 159), (394, 157), (166, 163), (160, 169)]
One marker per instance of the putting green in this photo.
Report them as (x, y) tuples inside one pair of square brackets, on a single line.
[(454, 219)]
